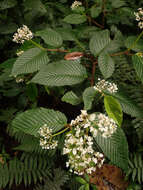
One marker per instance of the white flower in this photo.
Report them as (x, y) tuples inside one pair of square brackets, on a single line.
[(103, 85), (75, 5), (22, 34), (84, 112), (106, 125), (19, 53), (19, 79), (139, 17), (46, 140), (92, 117)]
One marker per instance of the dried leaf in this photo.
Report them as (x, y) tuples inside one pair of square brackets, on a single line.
[(73, 56), (112, 174)]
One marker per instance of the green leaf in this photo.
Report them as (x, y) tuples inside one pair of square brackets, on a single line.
[(113, 109), (30, 61), (106, 65), (128, 105), (61, 73), (75, 19), (88, 97), (81, 180), (115, 148), (50, 37), (6, 4), (32, 92), (129, 43), (31, 120), (99, 41), (67, 34), (33, 9), (71, 98), (8, 28), (87, 187), (118, 3), (138, 65), (82, 187), (95, 11)]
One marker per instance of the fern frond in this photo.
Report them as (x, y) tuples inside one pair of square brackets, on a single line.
[(135, 170), (59, 178), (27, 169)]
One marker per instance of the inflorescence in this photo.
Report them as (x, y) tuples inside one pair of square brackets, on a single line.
[(78, 142), (46, 139), (75, 5), (23, 33), (139, 17), (104, 85)]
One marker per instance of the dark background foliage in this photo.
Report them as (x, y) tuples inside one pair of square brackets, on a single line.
[(26, 159)]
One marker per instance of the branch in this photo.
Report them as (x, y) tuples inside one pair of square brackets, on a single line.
[(93, 21), (103, 10), (93, 72)]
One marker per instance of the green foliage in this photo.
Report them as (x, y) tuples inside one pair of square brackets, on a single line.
[(50, 37), (128, 105), (104, 34), (136, 47), (61, 73), (136, 167), (72, 98), (30, 61), (89, 95), (29, 168), (31, 120), (75, 19), (106, 65), (55, 181), (99, 41), (115, 148), (6, 4), (138, 65), (113, 109)]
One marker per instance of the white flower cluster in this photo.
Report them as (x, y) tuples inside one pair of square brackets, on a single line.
[(46, 139), (106, 125), (139, 17), (75, 5), (23, 33), (104, 85), (82, 158), (78, 143)]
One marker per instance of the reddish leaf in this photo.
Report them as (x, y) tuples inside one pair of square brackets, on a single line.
[(112, 174), (73, 56)]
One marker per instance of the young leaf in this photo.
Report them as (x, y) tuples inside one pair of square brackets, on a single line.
[(81, 180), (30, 61), (88, 97), (71, 98), (87, 187), (99, 41), (106, 65), (61, 73), (31, 120), (113, 109), (115, 148), (50, 37), (75, 19), (138, 65)]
